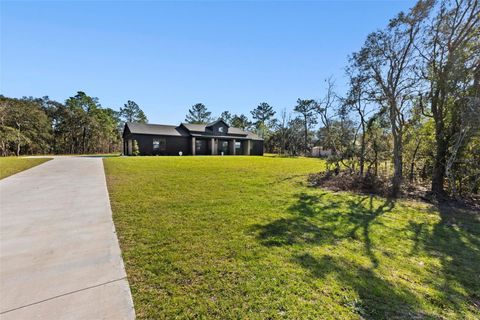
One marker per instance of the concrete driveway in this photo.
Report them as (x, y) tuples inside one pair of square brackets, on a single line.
[(59, 254)]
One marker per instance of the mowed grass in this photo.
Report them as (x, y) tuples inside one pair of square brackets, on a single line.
[(247, 238), (12, 165)]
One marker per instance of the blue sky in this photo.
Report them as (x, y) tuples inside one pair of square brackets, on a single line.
[(167, 56)]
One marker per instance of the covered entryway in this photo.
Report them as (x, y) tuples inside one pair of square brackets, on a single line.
[(201, 146), (223, 146), (215, 146)]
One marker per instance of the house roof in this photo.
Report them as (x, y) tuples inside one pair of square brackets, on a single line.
[(201, 128), (194, 127), (156, 129), (238, 131), (186, 130), (211, 124), (252, 136)]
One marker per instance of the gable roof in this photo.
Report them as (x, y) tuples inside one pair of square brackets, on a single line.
[(237, 131), (155, 129), (185, 130), (253, 136), (211, 124), (194, 127), (201, 128)]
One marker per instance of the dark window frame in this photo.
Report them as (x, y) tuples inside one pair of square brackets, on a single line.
[(159, 144)]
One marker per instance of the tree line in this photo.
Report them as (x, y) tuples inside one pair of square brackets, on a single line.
[(80, 125), (413, 101)]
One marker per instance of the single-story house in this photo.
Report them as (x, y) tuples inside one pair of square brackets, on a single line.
[(215, 138)]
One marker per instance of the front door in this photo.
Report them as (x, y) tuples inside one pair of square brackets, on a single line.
[(223, 147), (201, 147)]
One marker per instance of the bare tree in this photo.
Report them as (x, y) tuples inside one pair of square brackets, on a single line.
[(387, 61), (357, 101), (325, 110)]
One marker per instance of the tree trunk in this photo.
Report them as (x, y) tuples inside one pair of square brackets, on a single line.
[(362, 151), (397, 167), (306, 135), (438, 175), (397, 150), (18, 140), (412, 163), (83, 139)]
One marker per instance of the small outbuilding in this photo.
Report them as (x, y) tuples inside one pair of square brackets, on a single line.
[(215, 138), (320, 152)]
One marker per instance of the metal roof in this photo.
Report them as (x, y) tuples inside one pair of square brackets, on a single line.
[(195, 127), (186, 130), (250, 136), (156, 129), (238, 131), (211, 124)]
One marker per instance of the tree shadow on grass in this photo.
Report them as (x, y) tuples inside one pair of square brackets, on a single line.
[(455, 241), (318, 220), (379, 299), (362, 216)]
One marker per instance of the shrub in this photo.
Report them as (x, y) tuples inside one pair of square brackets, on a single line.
[(135, 150)]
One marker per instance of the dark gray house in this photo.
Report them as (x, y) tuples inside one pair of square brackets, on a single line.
[(190, 139)]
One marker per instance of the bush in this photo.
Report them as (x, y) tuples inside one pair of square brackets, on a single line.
[(135, 150)]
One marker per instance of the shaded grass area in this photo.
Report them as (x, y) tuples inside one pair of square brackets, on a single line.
[(99, 155), (246, 238), (12, 165)]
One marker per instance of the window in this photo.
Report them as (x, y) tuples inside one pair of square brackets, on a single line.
[(220, 129), (156, 144), (198, 145), (159, 144)]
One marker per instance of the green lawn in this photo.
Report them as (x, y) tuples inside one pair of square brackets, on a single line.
[(100, 155), (12, 165), (246, 238)]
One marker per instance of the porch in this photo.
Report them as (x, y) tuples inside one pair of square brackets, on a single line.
[(219, 146)]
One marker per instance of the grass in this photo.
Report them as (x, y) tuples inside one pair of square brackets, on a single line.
[(12, 165), (100, 155), (246, 238)]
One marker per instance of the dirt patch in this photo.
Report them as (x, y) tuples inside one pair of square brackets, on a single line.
[(381, 186), (345, 181)]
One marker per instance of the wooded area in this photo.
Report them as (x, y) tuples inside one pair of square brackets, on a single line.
[(78, 126)]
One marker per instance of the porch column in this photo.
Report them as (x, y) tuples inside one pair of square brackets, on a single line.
[(212, 143), (232, 147), (129, 147), (247, 148), (193, 146)]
